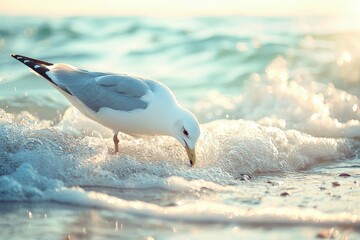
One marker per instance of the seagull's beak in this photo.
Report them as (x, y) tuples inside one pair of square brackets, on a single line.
[(191, 154)]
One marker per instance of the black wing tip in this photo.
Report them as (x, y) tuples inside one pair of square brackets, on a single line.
[(15, 55), (39, 66), (22, 58)]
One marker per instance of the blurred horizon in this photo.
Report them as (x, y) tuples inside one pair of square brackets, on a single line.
[(166, 8)]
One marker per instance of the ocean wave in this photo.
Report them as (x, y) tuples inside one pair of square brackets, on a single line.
[(276, 100), (215, 51), (80, 150)]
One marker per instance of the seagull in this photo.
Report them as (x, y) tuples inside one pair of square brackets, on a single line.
[(124, 103)]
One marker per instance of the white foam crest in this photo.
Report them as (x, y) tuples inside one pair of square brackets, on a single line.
[(299, 103), (226, 150), (248, 147), (59, 153)]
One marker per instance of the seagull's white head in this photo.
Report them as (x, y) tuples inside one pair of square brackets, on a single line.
[(187, 131)]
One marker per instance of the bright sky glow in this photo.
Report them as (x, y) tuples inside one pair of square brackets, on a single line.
[(180, 8)]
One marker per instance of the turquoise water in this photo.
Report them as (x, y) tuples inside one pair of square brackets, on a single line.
[(278, 102)]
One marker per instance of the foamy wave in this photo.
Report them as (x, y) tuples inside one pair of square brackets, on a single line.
[(79, 151), (299, 103)]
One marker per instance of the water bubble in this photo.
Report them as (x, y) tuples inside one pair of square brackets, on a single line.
[(344, 57), (355, 107), (30, 214)]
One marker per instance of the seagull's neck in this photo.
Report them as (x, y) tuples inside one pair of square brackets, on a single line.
[(165, 109)]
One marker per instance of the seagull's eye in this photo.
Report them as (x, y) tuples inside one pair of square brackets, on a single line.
[(185, 132)]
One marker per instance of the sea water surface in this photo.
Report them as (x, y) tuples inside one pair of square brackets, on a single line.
[(278, 157)]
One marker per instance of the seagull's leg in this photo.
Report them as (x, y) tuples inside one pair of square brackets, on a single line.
[(116, 142)]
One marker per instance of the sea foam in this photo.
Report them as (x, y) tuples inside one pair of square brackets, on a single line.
[(80, 151), (297, 102)]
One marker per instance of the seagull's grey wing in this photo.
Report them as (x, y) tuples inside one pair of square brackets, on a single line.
[(97, 89)]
